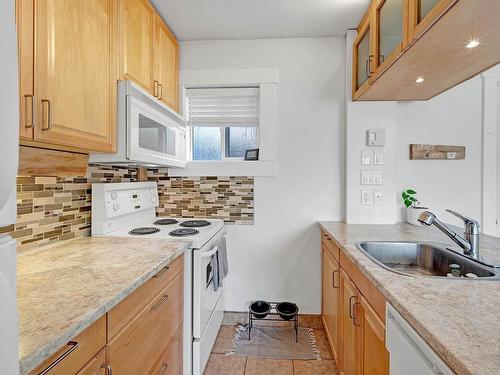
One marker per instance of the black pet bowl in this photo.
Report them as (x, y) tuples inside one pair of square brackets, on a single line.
[(287, 310), (260, 309)]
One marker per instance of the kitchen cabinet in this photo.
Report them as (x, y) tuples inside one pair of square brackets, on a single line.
[(166, 64), (148, 51), (374, 355), (351, 326), (363, 56), (67, 74), (331, 300), (97, 365), (136, 19), (408, 50), (353, 312)]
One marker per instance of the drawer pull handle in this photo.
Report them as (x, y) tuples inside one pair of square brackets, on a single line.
[(165, 368), (108, 368), (162, 272), (161, 91), (350, 307), (32, 103), (73, 345), (333, 278), (162, 303)]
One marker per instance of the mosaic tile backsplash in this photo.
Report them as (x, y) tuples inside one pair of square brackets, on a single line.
[(53, 209), (227, 198)]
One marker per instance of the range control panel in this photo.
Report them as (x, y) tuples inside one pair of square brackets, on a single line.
[(123, 201)]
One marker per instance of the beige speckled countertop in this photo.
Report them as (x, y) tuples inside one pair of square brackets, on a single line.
[(459, 319), (63, 289)]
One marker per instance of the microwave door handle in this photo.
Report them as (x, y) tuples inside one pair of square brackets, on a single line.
[(210, 253)]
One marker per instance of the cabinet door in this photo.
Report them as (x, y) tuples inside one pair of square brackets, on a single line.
[(171, 362), (363, 57), (375, 358), (96, 366), (331, 300), (167, 64), (351, 327), (136, 20), (423, 13), (25, 43), (391, 33), (75, 75)]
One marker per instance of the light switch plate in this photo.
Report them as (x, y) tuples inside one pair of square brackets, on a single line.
[(366, 157), (378, 197), (366, 197), (375, 137), (378, 158)]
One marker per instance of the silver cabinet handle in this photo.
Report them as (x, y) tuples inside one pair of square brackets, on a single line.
[(161, 91), (32, 123), (108, 368), (162, 303), (165, 368), (333, 279), (155, 88), (49, 109), (73, 345), (162, 272)]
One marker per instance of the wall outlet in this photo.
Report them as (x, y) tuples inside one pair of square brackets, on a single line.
[(378, 197), (366, 197)]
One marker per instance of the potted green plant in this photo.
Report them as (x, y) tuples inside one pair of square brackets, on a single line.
[(413, 208)]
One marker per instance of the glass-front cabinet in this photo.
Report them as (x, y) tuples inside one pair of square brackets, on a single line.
[(423, 13), (363, 58), (391, 34)]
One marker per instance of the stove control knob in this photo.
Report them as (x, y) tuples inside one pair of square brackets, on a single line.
[(116, 206), (114, 195)]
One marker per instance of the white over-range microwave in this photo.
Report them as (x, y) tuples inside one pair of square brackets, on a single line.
[(149, 133)]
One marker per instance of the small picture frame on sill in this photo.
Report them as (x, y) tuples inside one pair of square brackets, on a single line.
[(252, 154)]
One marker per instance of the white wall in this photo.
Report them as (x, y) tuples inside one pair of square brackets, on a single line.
[(278, 258), (452, 118)]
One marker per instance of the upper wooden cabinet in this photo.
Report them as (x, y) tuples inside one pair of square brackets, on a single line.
[(148, 51), (166, 64), (363, 56), (67, 73), (136, 30), (424, 53)]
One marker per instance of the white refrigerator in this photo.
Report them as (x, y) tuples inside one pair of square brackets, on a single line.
[(9, 150)]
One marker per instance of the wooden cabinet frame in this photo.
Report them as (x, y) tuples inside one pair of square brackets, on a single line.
[(368, 24), (415, 28)]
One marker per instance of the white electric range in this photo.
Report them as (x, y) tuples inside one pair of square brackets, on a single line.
[(129, 209)]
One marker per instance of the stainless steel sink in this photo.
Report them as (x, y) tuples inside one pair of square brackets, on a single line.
[(423, 259)]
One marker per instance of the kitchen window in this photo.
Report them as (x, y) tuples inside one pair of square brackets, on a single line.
[(224, 122)]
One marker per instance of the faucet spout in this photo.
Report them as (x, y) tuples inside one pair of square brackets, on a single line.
[(469, 244)]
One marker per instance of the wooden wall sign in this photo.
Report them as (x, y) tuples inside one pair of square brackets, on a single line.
[(436, 152)]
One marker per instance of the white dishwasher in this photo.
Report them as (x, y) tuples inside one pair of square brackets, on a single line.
[(409, 353)]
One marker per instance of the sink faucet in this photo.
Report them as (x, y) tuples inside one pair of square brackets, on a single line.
[(469, 243)]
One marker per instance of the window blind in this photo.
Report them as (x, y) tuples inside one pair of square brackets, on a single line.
[(223, 107)]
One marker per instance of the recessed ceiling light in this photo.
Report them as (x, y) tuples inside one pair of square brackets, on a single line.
[(472, 43), (419, 80)]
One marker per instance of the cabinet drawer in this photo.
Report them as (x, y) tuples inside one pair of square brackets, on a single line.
[(89, 342), (96, 365), (121, 314), (139, 346), (330, 245), (171, 362)]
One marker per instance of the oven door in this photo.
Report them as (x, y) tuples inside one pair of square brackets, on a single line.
[(152, 136), (204, 297)]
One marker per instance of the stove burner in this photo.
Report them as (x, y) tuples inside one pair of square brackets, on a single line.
[(184, 232), (195, 223), (143, 230), (165, 222)]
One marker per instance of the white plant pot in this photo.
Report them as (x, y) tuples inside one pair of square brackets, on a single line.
[(412, 214)]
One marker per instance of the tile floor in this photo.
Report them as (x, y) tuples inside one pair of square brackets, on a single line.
[(222, 364)]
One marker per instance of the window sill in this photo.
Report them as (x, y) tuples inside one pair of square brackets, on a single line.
[(260, 168)]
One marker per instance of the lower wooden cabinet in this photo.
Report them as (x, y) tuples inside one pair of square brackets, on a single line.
[(331, 301), (355, 329), (97, 365), (171, 361)]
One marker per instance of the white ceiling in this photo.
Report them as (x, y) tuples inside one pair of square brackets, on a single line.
[(249, 19)]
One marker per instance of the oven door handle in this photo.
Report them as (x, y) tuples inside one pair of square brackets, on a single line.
[(210, 253)]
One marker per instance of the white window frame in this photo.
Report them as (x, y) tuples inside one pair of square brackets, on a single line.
[(266, 80)]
